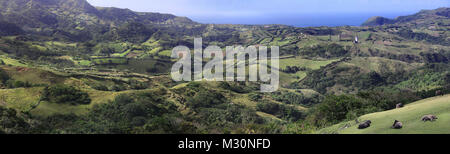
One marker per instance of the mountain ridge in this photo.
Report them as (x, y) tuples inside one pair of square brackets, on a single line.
[(435, 14), (77, 19)]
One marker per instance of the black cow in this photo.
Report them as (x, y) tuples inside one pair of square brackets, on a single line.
[(397, 125), (365, 124), (429, 118)]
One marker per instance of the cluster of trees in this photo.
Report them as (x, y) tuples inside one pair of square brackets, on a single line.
[(239, 87), (117, 85), (409, 34), (8, 82), (325, 51), (7, 29), (205, 99), (3, 76), (434, 57), (12, 122), (323, 78), (296, 99), (334, 109), (214, 112), (294, 69), (64, 94), (283, 111)]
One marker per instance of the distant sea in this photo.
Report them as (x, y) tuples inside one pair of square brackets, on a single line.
[(297, 20)]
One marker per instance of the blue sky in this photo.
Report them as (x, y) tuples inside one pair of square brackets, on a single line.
[(238, 11)]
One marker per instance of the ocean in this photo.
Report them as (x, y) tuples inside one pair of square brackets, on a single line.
[(297, 20)]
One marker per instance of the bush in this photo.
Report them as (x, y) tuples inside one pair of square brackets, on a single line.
[(17, 84), (3, 76), (255, 96), (206, 99), (64, 94)]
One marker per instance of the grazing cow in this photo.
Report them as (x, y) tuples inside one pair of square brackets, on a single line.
[(439, 92), (397, 125), (429, 118), (399, 105), (365, 124)]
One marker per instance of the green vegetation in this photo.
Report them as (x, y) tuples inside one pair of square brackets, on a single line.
[(69, 67), (11, 122), (282, 111), (325, 51)]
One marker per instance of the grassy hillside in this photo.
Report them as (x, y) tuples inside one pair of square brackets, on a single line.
[(410, 116)]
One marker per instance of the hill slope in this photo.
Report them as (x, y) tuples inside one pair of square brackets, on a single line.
[(422, 18), (410, 116)]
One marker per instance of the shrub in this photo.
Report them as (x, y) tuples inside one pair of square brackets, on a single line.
[(255, 96), (17, 84)]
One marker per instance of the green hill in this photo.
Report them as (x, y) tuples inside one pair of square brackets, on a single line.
[(420, 19), (410, 116), (376, 21)]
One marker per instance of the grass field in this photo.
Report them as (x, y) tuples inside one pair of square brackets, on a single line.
[(32, 75), (12, 62), (22, 99), (288, 78), (410, 116), (98, 97)]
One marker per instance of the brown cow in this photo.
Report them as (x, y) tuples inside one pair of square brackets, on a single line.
[(397, 125), (429, 118)]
